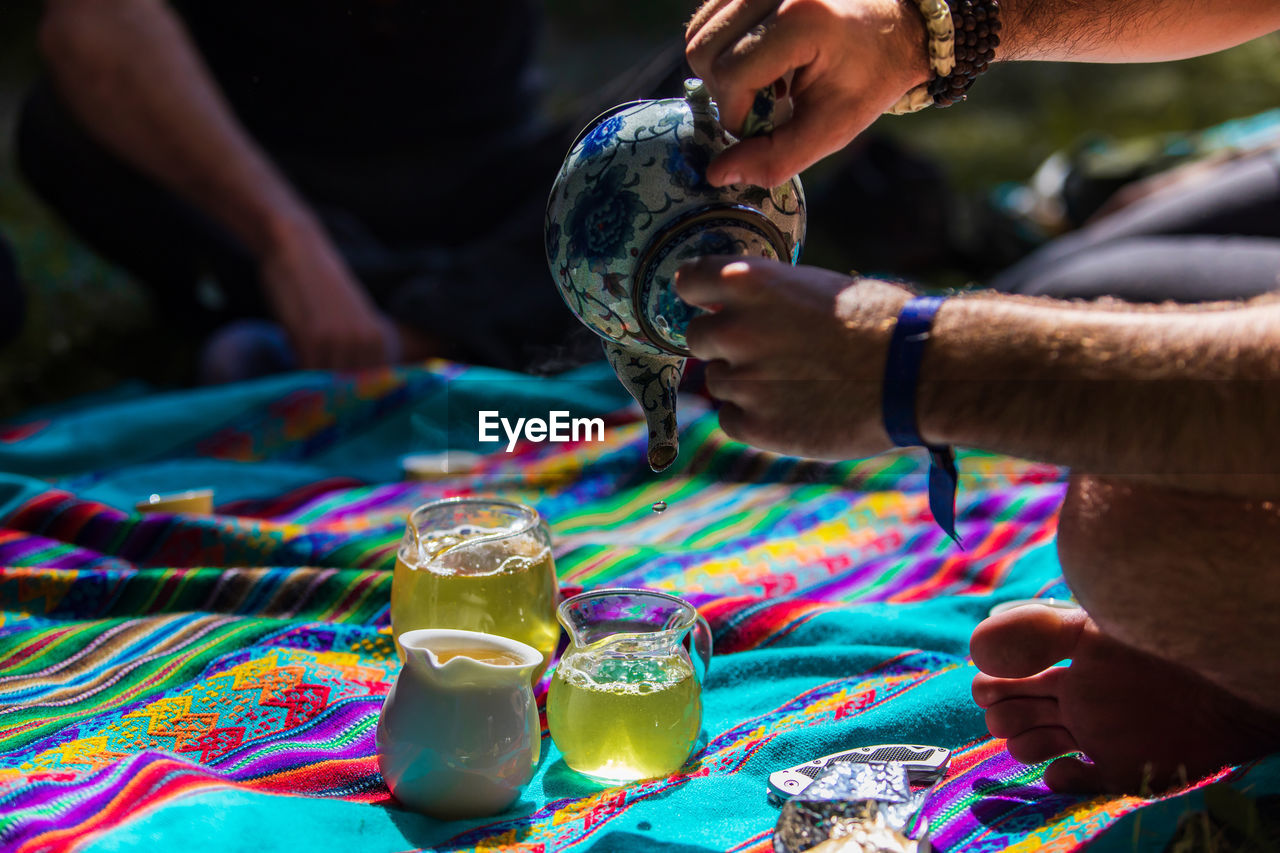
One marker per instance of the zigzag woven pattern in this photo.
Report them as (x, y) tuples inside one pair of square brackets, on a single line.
[(148, 659)]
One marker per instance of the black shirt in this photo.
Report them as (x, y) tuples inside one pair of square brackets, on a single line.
[(369, 76)]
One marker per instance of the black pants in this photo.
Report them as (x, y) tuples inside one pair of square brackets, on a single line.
[(13, 302), (448, 242), (1218, 238)]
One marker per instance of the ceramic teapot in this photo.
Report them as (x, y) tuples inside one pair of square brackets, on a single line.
[(630, 205)]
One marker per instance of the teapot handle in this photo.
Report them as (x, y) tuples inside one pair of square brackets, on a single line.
[(766, 113), (700, 645)]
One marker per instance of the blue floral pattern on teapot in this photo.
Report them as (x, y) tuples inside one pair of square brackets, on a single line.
[(630, 204)]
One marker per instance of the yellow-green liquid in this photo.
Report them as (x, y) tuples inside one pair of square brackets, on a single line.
[(507, 588), (493, 656), (622, 718)]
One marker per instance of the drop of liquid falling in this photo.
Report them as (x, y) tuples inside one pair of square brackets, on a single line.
[(659, 506)]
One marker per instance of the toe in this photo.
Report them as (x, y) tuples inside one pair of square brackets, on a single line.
[(1012, 717), (1036, 745), (1070, 775), (988, 690), (1026, 640)]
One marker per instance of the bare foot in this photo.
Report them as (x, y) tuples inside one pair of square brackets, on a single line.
[(1145, 724)]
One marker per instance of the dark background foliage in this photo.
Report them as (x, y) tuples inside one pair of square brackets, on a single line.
[(90, 327)]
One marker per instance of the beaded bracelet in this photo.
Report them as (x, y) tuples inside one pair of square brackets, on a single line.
[(942, 41), (977, 25)]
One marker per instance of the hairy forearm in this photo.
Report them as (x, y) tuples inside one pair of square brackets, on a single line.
[(130, 73), (1130, 30), (1188, 397)]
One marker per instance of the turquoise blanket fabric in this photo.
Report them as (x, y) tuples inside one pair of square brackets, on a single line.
[(215, 680)]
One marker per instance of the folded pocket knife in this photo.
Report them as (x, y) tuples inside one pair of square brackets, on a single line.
[(925, 765)]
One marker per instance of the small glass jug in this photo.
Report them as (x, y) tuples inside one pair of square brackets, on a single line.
[(626, 699), (477, 565)]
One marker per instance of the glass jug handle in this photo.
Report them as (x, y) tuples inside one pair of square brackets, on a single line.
[(412, 539), (700, 645)]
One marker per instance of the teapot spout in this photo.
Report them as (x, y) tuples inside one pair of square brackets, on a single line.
[(652, 380)]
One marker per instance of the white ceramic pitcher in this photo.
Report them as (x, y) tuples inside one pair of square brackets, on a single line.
[(459, 738)]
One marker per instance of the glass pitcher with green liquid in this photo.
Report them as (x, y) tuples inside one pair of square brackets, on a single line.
[(477, 565), (626, 698)]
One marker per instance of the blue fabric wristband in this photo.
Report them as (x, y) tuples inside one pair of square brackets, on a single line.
[(901, 374)]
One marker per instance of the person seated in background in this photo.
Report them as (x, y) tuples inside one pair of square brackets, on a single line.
[(1169, 536), (1201, 232), (368, 175)]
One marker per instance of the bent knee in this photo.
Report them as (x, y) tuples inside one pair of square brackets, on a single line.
[(1182, 575)]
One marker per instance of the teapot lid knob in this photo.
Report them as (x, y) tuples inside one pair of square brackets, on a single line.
[(760, 120), (695, 91)]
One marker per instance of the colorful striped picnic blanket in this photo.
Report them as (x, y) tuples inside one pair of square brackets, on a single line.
[(213, 682)]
